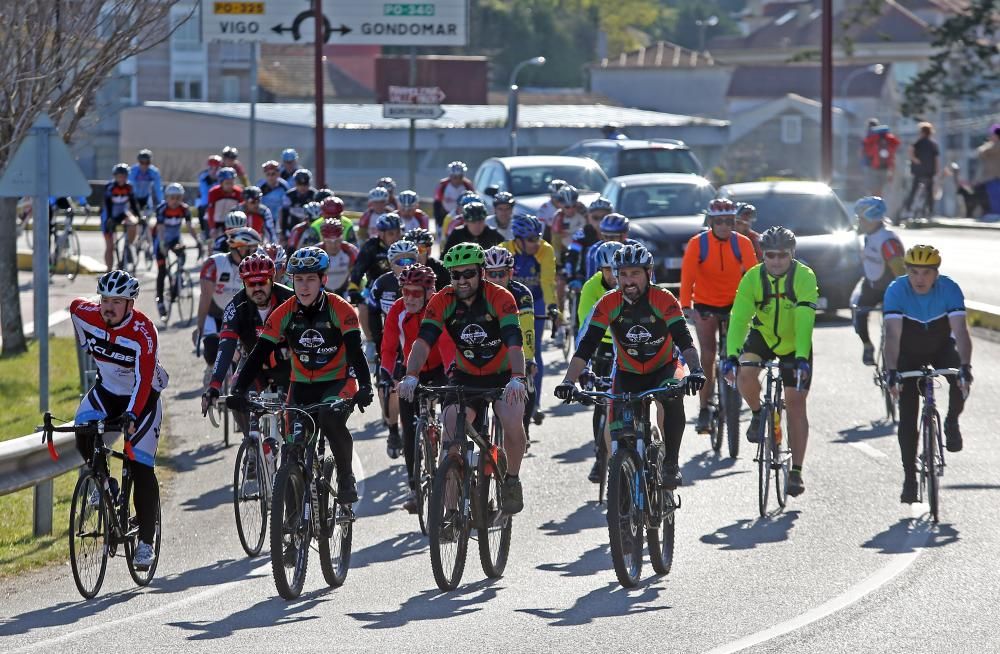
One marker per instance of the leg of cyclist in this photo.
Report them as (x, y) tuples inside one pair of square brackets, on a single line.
[(161, 273), (929, 196), (539, 365), (143, 443), (108, 230), (755, 350), (706, 326), (863, 300), (448, 418), (907, 433), (948, 358), (797, 421), (334, 427), (510, 415)]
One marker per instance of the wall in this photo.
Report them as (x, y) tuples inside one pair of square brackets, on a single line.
[(685, 91), (762, 153)]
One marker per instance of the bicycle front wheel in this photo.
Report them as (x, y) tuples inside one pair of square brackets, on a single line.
[(141, 577), (661, 512), (289, 530), (764, 458), (124, 253), (249, 501), (731, 403), (449, 533), (494, 529), (717, 407), (625, 518), (933, 461), (424, 462), (781, 460), (337, 524), (88, 536), (185, 297)]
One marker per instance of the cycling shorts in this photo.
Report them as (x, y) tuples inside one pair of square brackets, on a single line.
[(626, 382), (110, 223), (478, 405), (755, 344), (99, 403)]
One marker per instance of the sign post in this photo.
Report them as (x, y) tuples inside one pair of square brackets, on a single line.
[(415, 103)]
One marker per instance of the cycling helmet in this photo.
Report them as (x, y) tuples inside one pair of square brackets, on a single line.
[(746, 211), (251, 193), (387, 183), (332, 206), (418, 275), (120, 169), (309, 259), (257, 267), (214, 161), (457, 168), (526, 227), (555, 185), (923, 255), (322, 194), (408, 199), (614, 223), (606, 253), (270, 164), (378, 194), (118, 283), (174, 189), (276, 253), (226, 173), (464, 254), (302, 176), (388, 221), (503, 198), (601, 204), (331, 228), (474, 212), (145, 154), (242, 236), (230, 152), (313, 210), (498, 257), (402, 250), (777, 238), (871, 208), (568, 194), (420, 236), (467, 197), (631, 255), (721, 207), (236, 219), (289, 154)]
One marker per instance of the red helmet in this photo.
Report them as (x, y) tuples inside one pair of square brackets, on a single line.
[(333, 206), (331, 228), (721, 207), (258, 267), (214, 161), (418, 275), (270, 164)]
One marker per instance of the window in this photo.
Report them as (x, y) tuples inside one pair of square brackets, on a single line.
[(187, 35), (188, 88), (791, 129), (230, 88)]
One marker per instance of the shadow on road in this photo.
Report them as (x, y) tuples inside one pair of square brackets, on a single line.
[(383, 492), (432, 605), (972, 486), (586, 516), (584, 452), (592, 562), (609, 601), (910, 534), (393, 549), (708, 465), (266, 613), (209, 499), (188, 460), (876, 429), (748, 534)]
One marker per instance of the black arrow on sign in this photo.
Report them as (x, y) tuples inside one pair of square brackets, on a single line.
[(279, 29), (343, 29)]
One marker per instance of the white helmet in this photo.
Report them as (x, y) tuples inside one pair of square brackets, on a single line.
[(457, 168), (402, 250), (378, 194), (236, 219), (118, 283), (174, 189)]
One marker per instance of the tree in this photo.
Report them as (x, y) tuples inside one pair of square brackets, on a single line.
[(56, 54)]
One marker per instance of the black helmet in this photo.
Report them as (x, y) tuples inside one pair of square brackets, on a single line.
[(120, 169), (230, 151), (145, 155), (303, 176), (251, 193), (777, 238)]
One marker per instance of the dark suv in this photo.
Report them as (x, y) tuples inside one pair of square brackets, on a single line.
[(635, 156)]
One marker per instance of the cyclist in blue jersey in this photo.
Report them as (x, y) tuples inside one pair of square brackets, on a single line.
[(614, 227), (145, 180), (273, 188), (925, 324), (171, 214)]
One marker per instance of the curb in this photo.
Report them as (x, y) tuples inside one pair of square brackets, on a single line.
[(88, 265), (956, 223), (983, 315)]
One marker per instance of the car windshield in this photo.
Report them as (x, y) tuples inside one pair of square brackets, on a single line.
[(665, 200), (806, 214), (657, 160), (534, 180)]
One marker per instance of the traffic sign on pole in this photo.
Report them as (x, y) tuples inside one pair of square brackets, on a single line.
[(64, 174), (412, 111), (416, 95)]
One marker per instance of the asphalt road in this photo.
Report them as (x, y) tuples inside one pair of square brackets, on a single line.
[(845, 568)]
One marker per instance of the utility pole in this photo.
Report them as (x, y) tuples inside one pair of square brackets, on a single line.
[(826, 120), (320, 141)]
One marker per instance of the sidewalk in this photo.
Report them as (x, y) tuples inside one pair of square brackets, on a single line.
[(958, 223)]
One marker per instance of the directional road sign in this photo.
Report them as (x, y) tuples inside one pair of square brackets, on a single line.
[(416, 95), (65, 176), (412, 111), (264, 21)]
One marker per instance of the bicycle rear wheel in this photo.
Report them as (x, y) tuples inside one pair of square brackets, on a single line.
[(661, 512), (289, 530), (717, 407), (337, 524), (764, 453), (494, 530), (88, 537), (424, 462), (140, 577), (932, 462), (185, 296), (449, 531), (250, 508), (625, 518), (124, 253), (732, 402)]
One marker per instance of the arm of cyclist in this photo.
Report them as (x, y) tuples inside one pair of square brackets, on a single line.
[(805, 312), (526, 318), (689, 270), (744, 308), (547, 262), (145, 368), (391, 337)]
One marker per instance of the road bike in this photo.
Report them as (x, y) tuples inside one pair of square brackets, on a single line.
[(774, 457), (466, 493), (638, 497), (726, 402), (64, 247), (931, 461), (100, 516), (179, 289), (426, 451), (566, 326), (255, 469), (878, 376)]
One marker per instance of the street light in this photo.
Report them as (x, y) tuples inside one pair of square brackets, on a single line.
[(711, 21), (873, 69), (512, 100)]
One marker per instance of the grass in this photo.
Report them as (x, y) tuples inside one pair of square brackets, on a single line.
[(19, 387)]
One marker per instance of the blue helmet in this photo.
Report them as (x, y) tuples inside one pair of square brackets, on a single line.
[(388, 221), (606, 253), (526, 227), (614, 223), (308, 260), (289, 154), (468, 197), (631, 255), (226, 173), (871, 208)]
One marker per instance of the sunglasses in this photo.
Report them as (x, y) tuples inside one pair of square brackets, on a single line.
[(533, 239), (724, 221), (778, 255), (255, 283), (497, 274), (423, 248), (457, 275), (418, 294), (404, 262)]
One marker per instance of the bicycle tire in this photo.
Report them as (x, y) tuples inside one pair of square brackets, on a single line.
[(932, 454), (140, 577), (602, 482), (717, 408), (423, 472), (764, 451), (733, 405), (890, 405), (449, 538), (289, 532), (662, 512), (185, 297), (124, 253), (780, 462), (73, 256), (336, 538), (625, 519), (494, 532), (250, 510), (88, 538), (225, 425)]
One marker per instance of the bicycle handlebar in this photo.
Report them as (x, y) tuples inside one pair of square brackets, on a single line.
[(930, 372), (673, 390), (463, 391), (92, 427)]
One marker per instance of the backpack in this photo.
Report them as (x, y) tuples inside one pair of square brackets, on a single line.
[(703, 247), (770, 293)]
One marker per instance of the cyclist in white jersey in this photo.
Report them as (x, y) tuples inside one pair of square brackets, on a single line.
[(547, 212), (502, 217), (342, 255)]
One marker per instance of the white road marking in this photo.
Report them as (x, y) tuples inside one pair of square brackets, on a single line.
[(868, 450)]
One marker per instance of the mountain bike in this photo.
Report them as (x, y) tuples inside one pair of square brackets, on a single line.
[(931, 459), (726, 402), (179, 289), (100, 519), (426, 451), (254, 472), (637, 496), (878, 376), (466, 493), (773, 453)]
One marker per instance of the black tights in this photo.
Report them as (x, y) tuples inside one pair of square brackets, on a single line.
[(145, 499), (332, 424), (909, 401)]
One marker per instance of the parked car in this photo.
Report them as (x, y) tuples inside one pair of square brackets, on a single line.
[(665, 211), (527, 179), (636, 156), (826, 240)]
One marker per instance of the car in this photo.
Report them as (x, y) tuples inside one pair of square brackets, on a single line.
[(826, 240), (527, 179), (665, 210), (619, 157)]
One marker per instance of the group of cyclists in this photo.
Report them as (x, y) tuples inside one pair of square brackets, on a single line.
[(319, 307)]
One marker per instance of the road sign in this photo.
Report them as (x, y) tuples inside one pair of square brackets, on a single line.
[(416, 95), (65, 176), (412, 111), (345, 22)]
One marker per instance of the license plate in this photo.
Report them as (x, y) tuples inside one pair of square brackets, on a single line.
[(821, 304)]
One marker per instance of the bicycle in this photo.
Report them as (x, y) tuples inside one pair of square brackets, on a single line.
[(878, 376), (773, 452), (219, 412), (125, 251), (566, 327), (931, 461), (180, 289), (590, 381), (637, 496), (466, 495), (97, 531), (726, 402), (64, 245), (426, 450), (251, 504)]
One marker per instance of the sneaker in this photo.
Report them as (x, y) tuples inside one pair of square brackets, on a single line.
[(410, 505), (595, 473), (952, 435), (868, 355), (537, 417), (795, 485), (704, 416), (671, 476), (347, 490), (143, 557), (909, 494), (511, 498), (753, 431), (95, 498), (162, 309), (394, 444)]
